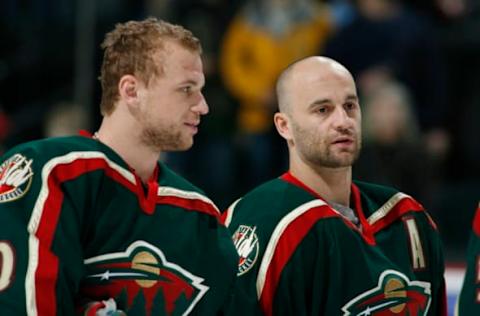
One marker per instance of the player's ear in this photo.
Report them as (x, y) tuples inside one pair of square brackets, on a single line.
[(128, 89), (282, 123)]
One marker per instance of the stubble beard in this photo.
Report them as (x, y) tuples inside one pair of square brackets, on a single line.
[(325, 157), (319, 153), (162, 137)]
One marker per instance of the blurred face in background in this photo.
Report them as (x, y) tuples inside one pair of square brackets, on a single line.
[(389, 119)]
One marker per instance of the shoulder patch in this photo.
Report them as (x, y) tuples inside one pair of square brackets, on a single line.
[(246, 242), (15, 178)]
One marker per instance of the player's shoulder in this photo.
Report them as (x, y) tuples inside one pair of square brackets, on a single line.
[(386, 204), (61, 149), (51, 147), (376, 191), (176, 190), (170, 178), (378, 195), (267, 188), (275, 192), (269, 202)]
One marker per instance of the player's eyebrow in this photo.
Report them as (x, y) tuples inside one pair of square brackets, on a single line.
[(352, 97), (320, 102), (195, 83)]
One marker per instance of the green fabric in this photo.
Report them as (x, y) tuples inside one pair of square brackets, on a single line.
[(333, 265), (173, 260)]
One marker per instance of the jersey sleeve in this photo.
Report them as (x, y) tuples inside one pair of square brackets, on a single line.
[(38, 248), (469, 299), (439, 291)]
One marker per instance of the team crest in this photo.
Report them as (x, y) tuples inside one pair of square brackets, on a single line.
[(15, 178), (142, 278), (394, 295), (246, 243)]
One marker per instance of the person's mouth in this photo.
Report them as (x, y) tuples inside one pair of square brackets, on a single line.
[(343, 141), (193, 126)]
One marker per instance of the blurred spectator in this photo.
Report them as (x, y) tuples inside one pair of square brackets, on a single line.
[(461, 42), (36, 60), (65, 119), (388, 39), (440, 9), (393, 152), (263, 38)]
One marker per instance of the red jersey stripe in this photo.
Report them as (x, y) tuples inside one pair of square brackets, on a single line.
[(476, 222), (287, 235)]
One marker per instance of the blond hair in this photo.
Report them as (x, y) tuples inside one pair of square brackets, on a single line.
[(130, 49)]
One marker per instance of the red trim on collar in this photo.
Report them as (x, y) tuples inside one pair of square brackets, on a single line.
[(365, 232), (148, 200), (85, 133), (290, 178), (356, 199)]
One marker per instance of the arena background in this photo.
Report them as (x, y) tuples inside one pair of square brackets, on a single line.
[(416, 64)]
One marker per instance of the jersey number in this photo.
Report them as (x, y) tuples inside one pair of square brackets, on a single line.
[(418, 257), (7, 263)]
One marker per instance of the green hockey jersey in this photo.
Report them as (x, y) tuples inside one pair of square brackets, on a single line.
[(469, 299), (299, 256), (80, 226)]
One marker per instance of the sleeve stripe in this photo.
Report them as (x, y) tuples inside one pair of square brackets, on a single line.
[(188, 195), (386, 208), (399, 205), (42, 267), (286, 236), (206, 205), (228, 215)]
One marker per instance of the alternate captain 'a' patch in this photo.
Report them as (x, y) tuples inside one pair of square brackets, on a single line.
[(246, 242), (394, 295), (143, 273), (15, 178)]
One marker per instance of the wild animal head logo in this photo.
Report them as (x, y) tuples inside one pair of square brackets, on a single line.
[(394, 295), (143, 273), (246, 243), (15, 178)]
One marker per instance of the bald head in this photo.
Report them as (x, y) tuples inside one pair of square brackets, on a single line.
[(303, 72)]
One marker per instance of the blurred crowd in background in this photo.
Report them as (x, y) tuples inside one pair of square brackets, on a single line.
[(416, 63)]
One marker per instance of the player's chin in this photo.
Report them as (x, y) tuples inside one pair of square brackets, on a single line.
[(345, 159), (184, 144)]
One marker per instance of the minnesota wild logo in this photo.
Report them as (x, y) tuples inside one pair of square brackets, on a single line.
[(143, 270), (246, 243), (394, 295), (15, 178)]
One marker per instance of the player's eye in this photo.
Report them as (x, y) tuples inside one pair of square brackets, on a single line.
[(350, 106), (322, 109), (187, 90)]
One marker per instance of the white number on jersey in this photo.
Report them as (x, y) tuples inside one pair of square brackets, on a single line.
[(7, 263), (418, 257)]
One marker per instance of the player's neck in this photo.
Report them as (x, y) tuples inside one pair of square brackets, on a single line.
[(333, 184), (124, 141)]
